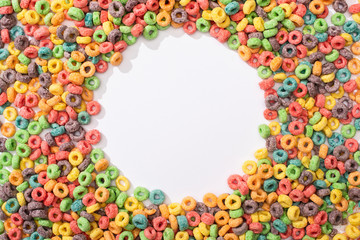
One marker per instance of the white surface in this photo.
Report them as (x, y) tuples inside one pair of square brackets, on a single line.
[(180, 114)]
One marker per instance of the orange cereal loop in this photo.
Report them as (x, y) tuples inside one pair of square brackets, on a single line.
[(44, 106), (297, 20), (167, 5), (258, 195), (76, 78), (305, 144), (116, 59), (16, 178), (254, 50), (66, 68), (164, 210), (221, 201), (173, 223), (54, 149), (74, 215), (77, 56), (311, 220), (327, 2), (271, 198), (101, 165), (342, 206), (355, 48), (8, 129), (163, 19), (108, 235), (276, 63), (136, 232), (93, 175), (354, 178), (323, 151), (52, 29), (222, 218), (49, 186), (266, 207), (41, 167), (244, 53), (115, 229), (61, 190), (210, 200), (149, 211), (41, 62), (269, 7), (91, 189), (265, 171), (235, 222), (87, 95), (139, 211), (316, 199), (288, 142), (354, 66), (316, 7), (231, 236), (317, 68), (58, 18), (300, 155), (11, 61), (87, 69), (34, 85), (92, 49), (223, 230), (8, 224), (11, 94), (176, 25), (254, 182), (188, 204)]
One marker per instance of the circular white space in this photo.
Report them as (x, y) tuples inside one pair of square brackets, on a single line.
[(180, 114)]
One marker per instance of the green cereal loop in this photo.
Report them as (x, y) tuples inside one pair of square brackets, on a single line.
[(84, 118), (264, 72), (309, 131), (264, 131), (92, 83), (125, 29), (320, 25), (351, 206), (236, 213), (44, 124), (10, 144), (120, 200), (4, 3), (277, 13), (76, 14), (141, 193), (130, 226), (5, 159), (331, 57), (4, 176), (214, 231), (232, 27), (282, 115), (168, 234), (103, 180), (15, 162), (250, 17), (129, 39), (45, 223), (150, 32), (150, 18), (233, 42), (225, 2), (288, 24), (306, 237), (161, 28), (112, 196), (263, 3), (253, 43), (99, 36), (293, 172), (23, 150), (74, 65), (340, 186), (41, 160), (302, 71), (53, 171), (2, 228), (84, 224), (112, 172), (96, 18), (126, 235), (23, 186), (357, 157), (308, 29), (266, 45), (264, 161), (266, 228), (96, 154), (326, 228), (84, 178), (338, 19), (249, 235), (65, 204), (90, 168), (24, 59), (268, 33), (117, 21), (16, 6), (203, 25), (79, 192), (58, 51), (47, 18), (270, 24), (116, 191), (42, 7), (332, 175), (348, 131), (316, 118), (106, 56), (34, 128), (314, 163)]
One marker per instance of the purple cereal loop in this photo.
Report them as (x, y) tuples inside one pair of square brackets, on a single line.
[(213, 4), (276, 210), (201, 208), (114, 36), (45, 232), (8, 21), (44, 93), (305, 178), (271, 143), (339, 111), (354, 194), (65, 167), (60, 31), (340, 6), (310, 209), (351, 165), (27, 194), (347, 102), (32, 70), (258, 35), (332, 86), (346, 53), (310, 41), (28, 172), (68, 146), (214, 210), (8, 76), (130, 4), (289, 51), (78, 135), (39, 213), (45, 79), (250, 206), (312, 89), (274, 44), (4, 236), (25, 78), (316, 56), (260, 12), (88, 216), (70, 34), (73, 100), (341, 153), (79, 237), (34, 205), (240, 230), (179, 15), (3, 85), (116, 9), (29, 227), (25, 213), (335, 217), (272, 102), (323, 192), (334, 31), (50, 139)]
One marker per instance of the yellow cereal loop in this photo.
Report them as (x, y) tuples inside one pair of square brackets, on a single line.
[(10, 113), (326, 78), (330, 102), (249, 167), (204, 229), (233, 202), (284, 200), (249, 6), (218, 15), (206, 15), (242, 25), (264, 216), (279, 171), (261, 153), (122, 219), (293, 213), (321, 124), (335, 196), (259, 24), (300, 223)]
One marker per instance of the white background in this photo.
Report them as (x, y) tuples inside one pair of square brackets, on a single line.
[(180, 114)]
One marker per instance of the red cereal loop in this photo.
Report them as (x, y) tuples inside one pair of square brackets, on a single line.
[(288, 65), (89, 199), (325, 47), (93, 108), (309, 190), (93, 136), (214, 31), (34, 141), (55, 215), (39, 194), (104, 222), (189, 27), (313, 230), (298, 233), (61, 139), (350, 86), (62, 118), (337, 42), (265, 58), (267, 84), (193, 218), (204, 4), (270, 114), (295, 109), (159, 223), (301, 51), (324, 14), (233, 181), (129, 19), (5, 36), (137, 30), (26, 112), (45, 148), (254, 60), (243, 38), (150, 233), (256, 227), (207, 218), (84, 147), (152, 5), (282, 37), (140, 9), (320, 218), (355, 8), (296, 195), (101, 66), (74, 227), (223, 35), (300, 10), (285, 186), (287, 234), (3, 98)]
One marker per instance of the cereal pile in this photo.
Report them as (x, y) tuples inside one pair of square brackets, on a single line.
[(303, 184)]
